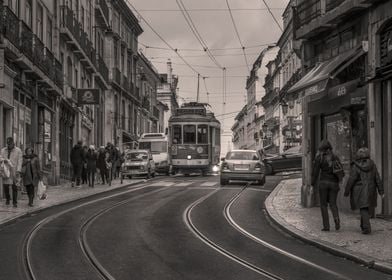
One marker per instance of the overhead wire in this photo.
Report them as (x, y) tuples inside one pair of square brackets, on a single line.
[(195, 32), (238, 34), (209, 10), (273, 16)]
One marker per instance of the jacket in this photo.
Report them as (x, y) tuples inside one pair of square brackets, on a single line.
[(101, 161), (31, 171), (91, 159), (363, 184), (77, 155), (322, 170), (16, 159)]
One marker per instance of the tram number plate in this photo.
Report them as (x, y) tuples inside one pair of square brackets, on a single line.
[(241, 167)]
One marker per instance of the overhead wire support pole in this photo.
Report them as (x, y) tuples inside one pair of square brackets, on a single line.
[(198, 87)]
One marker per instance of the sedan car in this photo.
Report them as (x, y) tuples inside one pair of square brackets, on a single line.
[(242, 165), (289, 160), (138, 162)]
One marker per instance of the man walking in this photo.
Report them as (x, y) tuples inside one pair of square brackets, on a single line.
[(77, 161), (13, 157)]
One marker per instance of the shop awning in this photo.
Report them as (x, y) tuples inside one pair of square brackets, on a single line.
[(321, 73)]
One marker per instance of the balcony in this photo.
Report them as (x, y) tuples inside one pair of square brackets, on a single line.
[(58, 73), (102, 12), (11, 26), (315, 16), (49, 64), (116, 76), (26, 44), (39, 56), (102, 68)]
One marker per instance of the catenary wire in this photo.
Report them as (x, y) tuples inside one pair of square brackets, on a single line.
[(273, 16)]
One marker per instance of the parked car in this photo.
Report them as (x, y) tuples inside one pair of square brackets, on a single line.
[(289, 160), (138, 162), (242, 165)]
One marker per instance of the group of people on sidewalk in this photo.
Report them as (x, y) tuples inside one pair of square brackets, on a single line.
[(19, 170), (362, 185), (86, 160)]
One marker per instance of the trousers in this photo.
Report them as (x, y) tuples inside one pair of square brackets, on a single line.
[(365, 219), (14, 193), (328, 194)]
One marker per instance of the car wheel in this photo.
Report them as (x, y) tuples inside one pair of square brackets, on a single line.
[(261, 182), (148, 174), (224, 182), (269, 170), (204, 172)]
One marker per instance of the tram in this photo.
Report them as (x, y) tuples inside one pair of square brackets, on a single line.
[(194, 135)]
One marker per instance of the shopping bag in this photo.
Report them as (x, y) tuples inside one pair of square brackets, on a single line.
[(41, 192), (5, 171)]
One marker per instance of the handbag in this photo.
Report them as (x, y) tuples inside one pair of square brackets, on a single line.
[(337, 168), (5, 171)]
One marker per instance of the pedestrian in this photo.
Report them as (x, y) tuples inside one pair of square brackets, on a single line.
[(328, 182), (363, 184), (101, 165), (13, 158), (91, 159), (119, 161), (77, 161), (84, 170), (108, 163), (31, 173)]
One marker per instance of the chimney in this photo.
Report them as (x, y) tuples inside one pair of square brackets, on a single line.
[(169, 72)]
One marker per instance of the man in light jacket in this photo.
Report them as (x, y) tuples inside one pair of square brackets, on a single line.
[(13, 157)]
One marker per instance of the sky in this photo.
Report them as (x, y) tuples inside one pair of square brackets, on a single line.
[(256, 29)]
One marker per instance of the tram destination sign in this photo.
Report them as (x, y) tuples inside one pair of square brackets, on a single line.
[(191, 111)]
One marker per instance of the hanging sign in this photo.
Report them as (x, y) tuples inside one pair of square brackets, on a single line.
[(88, 96)]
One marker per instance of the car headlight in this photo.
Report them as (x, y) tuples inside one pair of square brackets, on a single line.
[(225, 166), (142, 167), (215, 168), (189, 157)]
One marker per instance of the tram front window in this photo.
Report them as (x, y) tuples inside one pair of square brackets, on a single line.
[(189, 134), (202, 134), (177, 134)]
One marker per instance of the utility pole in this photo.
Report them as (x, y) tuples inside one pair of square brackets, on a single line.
[(198, 87)]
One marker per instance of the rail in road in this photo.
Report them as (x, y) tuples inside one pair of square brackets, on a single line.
[(189, 202)]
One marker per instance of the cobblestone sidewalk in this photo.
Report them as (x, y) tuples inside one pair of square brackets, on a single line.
[(283, 206)]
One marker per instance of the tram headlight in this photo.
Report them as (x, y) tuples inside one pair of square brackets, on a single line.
[(189, 157)]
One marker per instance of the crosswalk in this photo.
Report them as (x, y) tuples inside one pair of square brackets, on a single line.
[(183, 184)]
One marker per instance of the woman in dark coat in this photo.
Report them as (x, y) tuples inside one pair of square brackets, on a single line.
[(328, 183), (91, 169), (363, 184), (84, 168), (31, 173), (101, 165)]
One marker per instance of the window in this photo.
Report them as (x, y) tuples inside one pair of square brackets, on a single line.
[(189, 134), (202, 134), (82, 17), (242, 155), (28, 11), (40, 17), (217, 137), (177, 134), (49, 34), (115, 54), (154, 147)]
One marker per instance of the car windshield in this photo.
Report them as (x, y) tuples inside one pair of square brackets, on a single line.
[(155, 147), (136, 156), (242, 155), (293, 150)]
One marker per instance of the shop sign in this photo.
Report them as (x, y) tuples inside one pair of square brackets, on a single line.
[(343, 89), (88, 96), (386, 46), (87, 122)]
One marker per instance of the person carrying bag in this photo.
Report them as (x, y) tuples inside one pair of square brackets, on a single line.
[(31, 173)]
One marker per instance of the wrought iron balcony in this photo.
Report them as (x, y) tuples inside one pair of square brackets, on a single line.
[(102, 12), (332, 4), (39, 55), (11, 26), (102, 68), (26, 41), (307, 11), (49, 64), (58, 73)]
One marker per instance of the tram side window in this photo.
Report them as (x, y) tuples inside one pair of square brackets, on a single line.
[(189, 134), (217, 137), (202, 134), (177, 134)]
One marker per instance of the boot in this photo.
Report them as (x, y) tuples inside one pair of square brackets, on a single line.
[(337, 223), (324, 215)]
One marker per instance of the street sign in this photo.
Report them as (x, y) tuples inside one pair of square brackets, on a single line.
[(88, 96)]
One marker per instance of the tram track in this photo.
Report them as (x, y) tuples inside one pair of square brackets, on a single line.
[(102, 273)]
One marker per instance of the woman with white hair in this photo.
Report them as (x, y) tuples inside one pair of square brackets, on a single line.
[(91, 158), (362, 186)]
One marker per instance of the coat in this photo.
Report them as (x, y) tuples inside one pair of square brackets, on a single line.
[(16, 159), (91, 159), (33, 175), (323, 171), (77, 155), (363, 184), (101, 162)]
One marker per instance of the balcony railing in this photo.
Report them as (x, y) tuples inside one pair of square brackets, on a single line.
[(307, 11), (49, 64), (11, 26), (332, 4), (39, 56), (102, 68), (26, 42), (103, 7), (58, 73)]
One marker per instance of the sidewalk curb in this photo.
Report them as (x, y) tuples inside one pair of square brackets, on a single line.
[(39, 209), (329, 247)]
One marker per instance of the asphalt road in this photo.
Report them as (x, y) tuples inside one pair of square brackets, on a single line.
[(167, 228)]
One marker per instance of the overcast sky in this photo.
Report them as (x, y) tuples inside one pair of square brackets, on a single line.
[(212, 19)]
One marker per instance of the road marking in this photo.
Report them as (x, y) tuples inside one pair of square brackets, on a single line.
[(183, 184), (209, 184), (162, 184), (259, 190), (229, 218)]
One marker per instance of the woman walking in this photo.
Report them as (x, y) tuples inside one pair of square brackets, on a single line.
[(328, 183), (31, 173), (363, 184), (101, 165), (84, 168), (91, 169)]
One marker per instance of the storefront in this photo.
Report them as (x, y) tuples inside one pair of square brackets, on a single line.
[(66, 138)]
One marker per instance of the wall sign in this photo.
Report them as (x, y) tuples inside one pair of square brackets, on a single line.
[(88, 96)]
